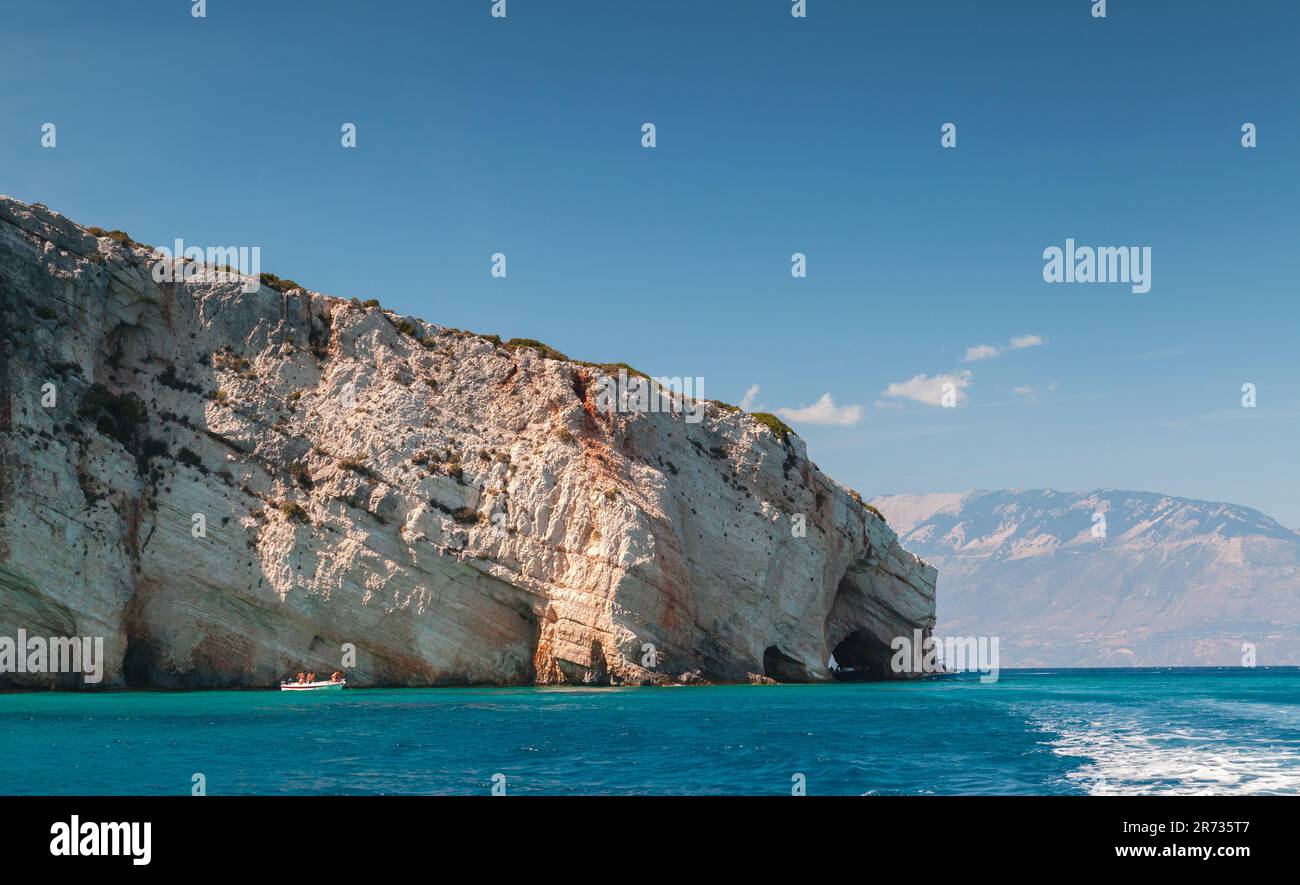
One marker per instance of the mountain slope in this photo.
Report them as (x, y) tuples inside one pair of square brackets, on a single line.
[(229, 486), (1173, 581)]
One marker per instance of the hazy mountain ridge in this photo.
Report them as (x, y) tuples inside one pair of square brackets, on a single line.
[(1174, 581)]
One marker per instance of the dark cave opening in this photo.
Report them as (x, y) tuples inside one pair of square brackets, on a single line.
[(863, 656), (780, 666)]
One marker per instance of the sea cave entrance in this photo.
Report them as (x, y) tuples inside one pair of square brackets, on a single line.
[(863, 655), (855, 626), (780, 666)]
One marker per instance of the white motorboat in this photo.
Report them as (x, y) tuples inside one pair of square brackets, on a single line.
[(313, 686)]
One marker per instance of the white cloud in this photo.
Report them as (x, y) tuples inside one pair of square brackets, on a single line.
[(929, 390), (1020, 342), (981, 352), (989, 351), (1026, 390), (747, 401), (824, 411)]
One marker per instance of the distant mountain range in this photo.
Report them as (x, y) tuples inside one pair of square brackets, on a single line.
[(1170, 582)]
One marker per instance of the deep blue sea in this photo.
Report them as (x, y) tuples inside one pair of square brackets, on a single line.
[(1034, 731)]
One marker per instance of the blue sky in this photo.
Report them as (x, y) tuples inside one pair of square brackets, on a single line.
[(775, 135)]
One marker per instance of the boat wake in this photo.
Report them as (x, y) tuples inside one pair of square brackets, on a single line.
[(1124, 755)]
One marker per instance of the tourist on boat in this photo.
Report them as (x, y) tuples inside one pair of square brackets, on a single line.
[(336, 677), (300, 679), (311, 677)]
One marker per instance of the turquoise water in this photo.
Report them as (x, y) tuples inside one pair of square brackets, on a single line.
[(1034, 731)]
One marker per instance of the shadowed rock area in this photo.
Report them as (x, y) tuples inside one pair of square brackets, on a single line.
[(229, 487)]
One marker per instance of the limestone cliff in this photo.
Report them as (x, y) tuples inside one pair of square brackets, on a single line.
[(231, 486)]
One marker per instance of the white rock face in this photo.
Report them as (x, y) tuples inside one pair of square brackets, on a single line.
[(1168, 582), (456, 510)]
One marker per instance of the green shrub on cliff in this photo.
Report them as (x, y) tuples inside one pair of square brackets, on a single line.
[(612, 368), (773, 423), (119, 416), (271, 281), (119, 236), (293, 511), (545, 350)]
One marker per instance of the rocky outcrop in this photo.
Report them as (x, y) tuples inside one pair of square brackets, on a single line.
[(231, 486)]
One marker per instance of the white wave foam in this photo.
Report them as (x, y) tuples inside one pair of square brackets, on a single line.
[(1127, 757)]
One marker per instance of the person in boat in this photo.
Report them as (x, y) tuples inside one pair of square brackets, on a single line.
[(336, 676), (311, 677), (300, 679)]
